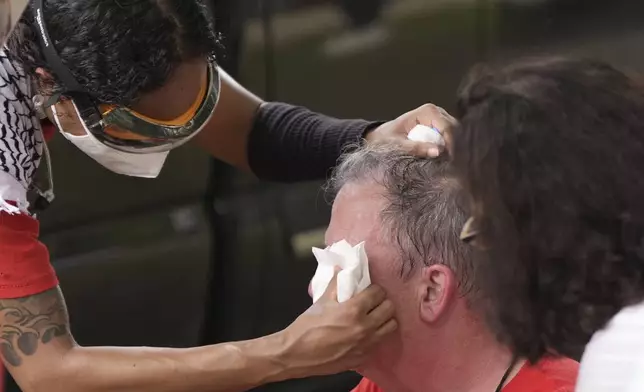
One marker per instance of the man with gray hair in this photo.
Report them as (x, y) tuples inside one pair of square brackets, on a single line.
[(410, 212)]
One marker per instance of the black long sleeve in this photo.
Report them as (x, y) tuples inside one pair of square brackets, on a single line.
[(291, 143)]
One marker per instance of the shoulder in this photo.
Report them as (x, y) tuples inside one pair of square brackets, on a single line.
[(16, 91), (617, 349), (14, 83), (20, 136), (562, 373), (367, 385), (547, 375)]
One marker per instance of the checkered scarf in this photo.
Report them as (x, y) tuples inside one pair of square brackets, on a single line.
[(21, 142)]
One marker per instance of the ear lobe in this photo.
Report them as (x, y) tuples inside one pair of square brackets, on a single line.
[(437, 291)]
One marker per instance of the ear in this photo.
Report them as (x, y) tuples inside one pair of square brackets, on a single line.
[(43, 74), (437, 290), (45, 81)]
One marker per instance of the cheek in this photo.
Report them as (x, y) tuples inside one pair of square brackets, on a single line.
[(402, 292), (387, 275), (380, 275), (390, 350), (66, 120), (76, 130)]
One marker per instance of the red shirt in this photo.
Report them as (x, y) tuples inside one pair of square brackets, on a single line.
[(548, 375), (24, 261), (48, 129)]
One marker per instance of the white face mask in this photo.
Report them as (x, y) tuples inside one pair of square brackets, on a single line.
[(135, 165)]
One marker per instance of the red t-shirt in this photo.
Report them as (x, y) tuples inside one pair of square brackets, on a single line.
[(24, 261), (548, 375), (48, 129)]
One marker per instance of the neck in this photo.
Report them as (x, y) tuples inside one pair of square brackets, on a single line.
[(457, 361)]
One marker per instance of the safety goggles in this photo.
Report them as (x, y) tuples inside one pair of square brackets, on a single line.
[(120, 127), (126, 130)]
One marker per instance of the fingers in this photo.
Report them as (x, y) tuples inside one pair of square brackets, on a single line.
[(369, 299), (382, 314), (435, 116), (389, 327), (432, 116), (331, 292), (420, 149)]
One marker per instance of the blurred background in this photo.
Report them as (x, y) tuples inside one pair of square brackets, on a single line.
[(205, 254)]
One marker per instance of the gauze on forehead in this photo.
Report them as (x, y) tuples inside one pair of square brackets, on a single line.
[(354, 270)]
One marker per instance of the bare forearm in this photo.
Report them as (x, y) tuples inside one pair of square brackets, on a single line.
[(41, 354), (228, 367)]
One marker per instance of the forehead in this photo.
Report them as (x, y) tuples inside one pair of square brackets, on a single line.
[(356, 213)]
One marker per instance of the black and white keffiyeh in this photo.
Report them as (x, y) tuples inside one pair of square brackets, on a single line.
[(21, 141)]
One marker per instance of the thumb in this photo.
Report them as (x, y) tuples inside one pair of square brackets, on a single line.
[(331, 292), (421, 149)]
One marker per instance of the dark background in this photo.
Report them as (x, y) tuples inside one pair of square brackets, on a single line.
[(205, 254)]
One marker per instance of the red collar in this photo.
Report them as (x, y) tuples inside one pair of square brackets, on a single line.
[(48, 129)]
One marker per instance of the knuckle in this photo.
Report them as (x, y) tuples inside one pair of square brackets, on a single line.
[(429, 107), (361, 332), (388, 306), (381, 295), (376, 291), (442, 111), (368, 293), (354, 312)]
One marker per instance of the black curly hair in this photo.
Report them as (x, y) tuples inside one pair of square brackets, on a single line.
[(551, 153), (117, 49)]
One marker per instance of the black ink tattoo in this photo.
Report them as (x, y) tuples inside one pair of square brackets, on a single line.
[(27, 322)]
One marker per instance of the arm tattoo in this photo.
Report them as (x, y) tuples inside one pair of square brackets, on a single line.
[(28, 322)]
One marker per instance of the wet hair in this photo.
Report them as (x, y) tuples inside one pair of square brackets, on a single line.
[(117, 50), (424, 213), (551, 153)]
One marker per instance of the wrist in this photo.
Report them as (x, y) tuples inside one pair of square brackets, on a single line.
[(286, 359), (287, 356), (370, 130), (271, 356)]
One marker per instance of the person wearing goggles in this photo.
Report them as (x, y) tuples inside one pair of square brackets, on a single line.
[(126, 82), (139, 98)]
